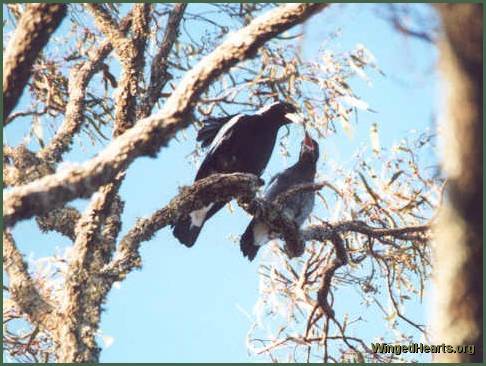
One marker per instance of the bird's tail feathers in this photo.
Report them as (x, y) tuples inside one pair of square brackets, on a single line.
[(210, 129), (185, 232), (255, 235), (247, 243), (187, 228)]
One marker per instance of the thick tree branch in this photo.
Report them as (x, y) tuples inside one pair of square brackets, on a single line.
[(321, 232), (158, 69), (63, 220), (112, 225), (215, 188), (123, 45), (131, 54), (21, 286), (151, 133), (140, 34), (35, 27), (84, 292), (458, 267), (132, 73), (23, 166), (83, 289)]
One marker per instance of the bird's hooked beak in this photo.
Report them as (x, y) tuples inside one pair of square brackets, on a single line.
[(295, 118)]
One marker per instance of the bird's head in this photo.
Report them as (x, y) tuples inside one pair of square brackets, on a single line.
[(283, 113), (309, 150)]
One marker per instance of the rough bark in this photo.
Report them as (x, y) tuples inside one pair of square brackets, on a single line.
[(78, 81), (35, 27), (459, 236), (63, 220), (215, 188), (84, 291), (158, 69), (21, 286), (130, 52), (150, 134), (23, 166)]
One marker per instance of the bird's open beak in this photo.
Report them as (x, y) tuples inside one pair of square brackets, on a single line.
[(308, 143), (295, 118)]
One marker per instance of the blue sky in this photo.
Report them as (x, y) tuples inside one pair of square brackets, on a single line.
[(190, 305)]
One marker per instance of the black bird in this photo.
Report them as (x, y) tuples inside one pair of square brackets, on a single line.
[(239, 143), (210, 129), (298, 206)]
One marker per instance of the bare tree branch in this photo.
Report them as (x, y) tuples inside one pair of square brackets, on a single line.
[(112, 224), (158, 69), (328, 273), (21, 286), (35, 27), (78, 82), (23, 166), (83, 289), (215, 188), (320, 232), (151, 133), (15, 115), (131, 55), (132, 73), (63, 220), (123, 46)]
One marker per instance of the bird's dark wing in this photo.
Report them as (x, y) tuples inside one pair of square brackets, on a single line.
[(299, 205), (187, 231), (278, 184), (220, 151), (247, 242), (210, 129)]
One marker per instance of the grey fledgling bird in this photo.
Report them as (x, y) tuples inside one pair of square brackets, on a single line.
[(298, 206)]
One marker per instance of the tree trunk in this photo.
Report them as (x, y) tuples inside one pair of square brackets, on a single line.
[(459, 235)]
